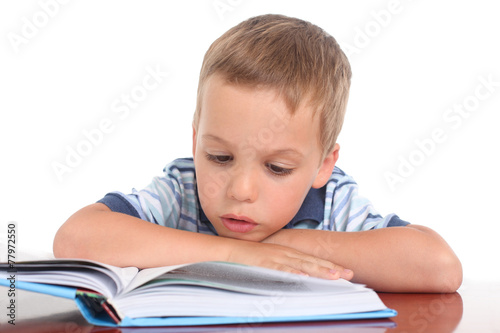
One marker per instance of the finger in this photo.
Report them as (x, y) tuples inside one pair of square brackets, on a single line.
[(323, 268), (347, 274), (291, 264), (290, 269)]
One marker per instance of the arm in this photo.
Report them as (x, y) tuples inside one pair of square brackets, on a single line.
[(399, 259), (97, 233)]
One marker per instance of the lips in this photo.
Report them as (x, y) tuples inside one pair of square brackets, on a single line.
[(236, 223)]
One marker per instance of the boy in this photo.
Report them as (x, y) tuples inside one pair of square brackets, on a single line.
[(262, 187)]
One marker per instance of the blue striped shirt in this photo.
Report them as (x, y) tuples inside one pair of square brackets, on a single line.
[(172, 201)]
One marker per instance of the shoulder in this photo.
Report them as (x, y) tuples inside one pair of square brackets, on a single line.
[(311, 214), (340, 180), (180, 170), (177, 182), (180, 166)]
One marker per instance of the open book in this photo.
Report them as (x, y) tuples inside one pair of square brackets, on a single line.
[(193, 294)]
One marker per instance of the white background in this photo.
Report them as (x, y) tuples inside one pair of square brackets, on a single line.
[(63, 66)]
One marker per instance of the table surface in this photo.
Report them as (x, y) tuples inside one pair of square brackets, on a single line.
[(474, 308)]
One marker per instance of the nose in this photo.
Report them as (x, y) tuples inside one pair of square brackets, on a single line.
[(243, 185)]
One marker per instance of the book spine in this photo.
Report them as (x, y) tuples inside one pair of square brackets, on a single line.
[(97, 305), (111, 312)]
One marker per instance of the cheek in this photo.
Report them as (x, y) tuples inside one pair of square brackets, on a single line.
[(210, 184), (285, 205), (208, 188)]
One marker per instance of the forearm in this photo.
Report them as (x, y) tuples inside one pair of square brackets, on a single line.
[(401, 259), (99, 234)]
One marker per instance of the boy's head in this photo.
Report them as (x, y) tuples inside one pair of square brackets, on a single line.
[(271, 101), (302, 62)]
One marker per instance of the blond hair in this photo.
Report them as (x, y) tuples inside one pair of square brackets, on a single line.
[(298, 59)]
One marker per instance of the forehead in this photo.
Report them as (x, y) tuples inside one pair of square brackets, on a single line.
[(239, 112), (217, 85)]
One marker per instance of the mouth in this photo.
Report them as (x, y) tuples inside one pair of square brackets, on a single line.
[(235, 223)]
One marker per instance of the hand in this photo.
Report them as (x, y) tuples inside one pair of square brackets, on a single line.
[(287, 260)]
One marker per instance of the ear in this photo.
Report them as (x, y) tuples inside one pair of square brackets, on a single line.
[(326, 168), (194, 141)]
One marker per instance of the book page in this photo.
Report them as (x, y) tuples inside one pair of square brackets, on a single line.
[(241, 278), (149, 274), (106, 279)]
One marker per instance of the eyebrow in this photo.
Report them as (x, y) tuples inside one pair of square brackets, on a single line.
[(284, 151), (214, 138)]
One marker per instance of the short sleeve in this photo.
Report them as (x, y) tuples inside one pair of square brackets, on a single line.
[(170, 200), (395, 221), (118, 202), (346, 210)]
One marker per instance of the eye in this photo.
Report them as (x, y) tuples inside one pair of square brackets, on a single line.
[(277, 170), (219, 159)]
